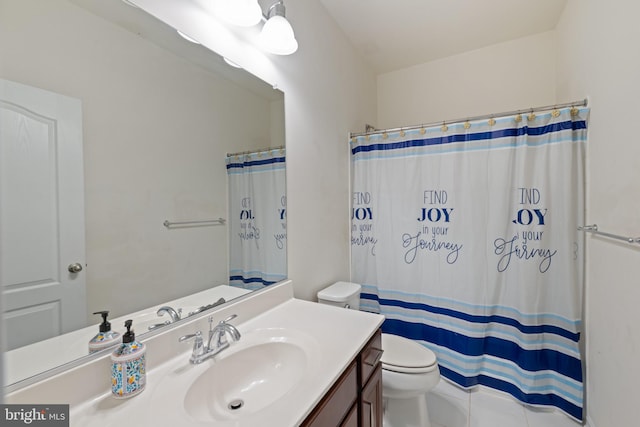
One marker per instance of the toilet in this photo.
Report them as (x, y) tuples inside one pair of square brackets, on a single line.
[(409, 370)]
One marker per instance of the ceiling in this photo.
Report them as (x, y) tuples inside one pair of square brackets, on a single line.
[(395, 34)]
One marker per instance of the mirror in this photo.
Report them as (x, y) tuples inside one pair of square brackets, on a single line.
[(158, 116)]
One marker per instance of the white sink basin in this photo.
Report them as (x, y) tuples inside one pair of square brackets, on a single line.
[(256, 377), (246, 381)]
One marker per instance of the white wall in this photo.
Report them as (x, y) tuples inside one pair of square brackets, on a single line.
[(598, 56), (508, 76), (156, 129)]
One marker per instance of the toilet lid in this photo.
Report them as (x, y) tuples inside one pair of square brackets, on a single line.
[(404, 355)]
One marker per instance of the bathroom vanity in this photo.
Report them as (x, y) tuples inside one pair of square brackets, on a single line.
[(296, 363), (356, 398)]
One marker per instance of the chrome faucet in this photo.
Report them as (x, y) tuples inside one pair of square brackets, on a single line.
[(175, 315), (217, 340), (218, 334)]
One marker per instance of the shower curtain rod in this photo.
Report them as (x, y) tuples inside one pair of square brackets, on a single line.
[(259, 150), (581, 103)]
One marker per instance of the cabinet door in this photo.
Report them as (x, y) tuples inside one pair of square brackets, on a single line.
[(370, 357), (371, 408), (334, 407), (352, 418)]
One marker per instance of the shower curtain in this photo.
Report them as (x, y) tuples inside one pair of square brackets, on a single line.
[(257, 218), (465, 237)]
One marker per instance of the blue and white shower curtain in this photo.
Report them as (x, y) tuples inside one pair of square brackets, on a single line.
[(258, 221), (465, 238)]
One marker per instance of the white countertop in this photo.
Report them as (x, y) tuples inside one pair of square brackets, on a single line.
[(333, 335)]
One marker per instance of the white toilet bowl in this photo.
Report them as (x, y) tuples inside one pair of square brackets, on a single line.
[(409, 370)]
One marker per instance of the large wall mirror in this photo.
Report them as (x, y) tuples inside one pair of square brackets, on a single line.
[(157, 116)]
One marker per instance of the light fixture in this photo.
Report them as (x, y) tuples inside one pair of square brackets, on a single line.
[(277, 34), (243, 13)]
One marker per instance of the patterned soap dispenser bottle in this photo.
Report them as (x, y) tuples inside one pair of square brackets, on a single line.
[(128, 370), (105, 337)]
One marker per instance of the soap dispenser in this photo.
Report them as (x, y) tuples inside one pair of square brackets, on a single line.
[(105, 337), (128, 371)]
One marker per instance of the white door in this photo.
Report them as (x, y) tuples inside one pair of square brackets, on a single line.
[(42, 244)]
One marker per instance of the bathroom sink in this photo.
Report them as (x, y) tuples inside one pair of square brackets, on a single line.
[(286, 360), (253, 380), (246, 381)]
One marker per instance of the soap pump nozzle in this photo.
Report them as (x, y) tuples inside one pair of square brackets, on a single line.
[(130, 335), (105, 326)]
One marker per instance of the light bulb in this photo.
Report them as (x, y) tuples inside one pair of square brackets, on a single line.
[(277, 36)]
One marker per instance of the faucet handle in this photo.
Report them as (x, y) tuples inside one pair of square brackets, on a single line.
[(187, 337), (228, 319), (198, 346)]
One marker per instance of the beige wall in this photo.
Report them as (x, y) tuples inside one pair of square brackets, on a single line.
[(503, 77), (598, 56)]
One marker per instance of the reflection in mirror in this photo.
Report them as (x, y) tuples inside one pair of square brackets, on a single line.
[(142, 121), (258, 214)]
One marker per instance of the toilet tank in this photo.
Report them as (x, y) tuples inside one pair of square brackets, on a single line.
[(341, 294)]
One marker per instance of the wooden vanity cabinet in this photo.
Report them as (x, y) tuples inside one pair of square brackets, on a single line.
[(370, 399), (355, 400)]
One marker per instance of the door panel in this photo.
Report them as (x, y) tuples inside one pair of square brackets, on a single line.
[(41, 213)]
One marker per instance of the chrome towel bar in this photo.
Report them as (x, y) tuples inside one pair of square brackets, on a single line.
[(204, 222), (593, 228)]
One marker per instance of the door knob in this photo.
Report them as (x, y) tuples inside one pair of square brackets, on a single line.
[(75, 268)]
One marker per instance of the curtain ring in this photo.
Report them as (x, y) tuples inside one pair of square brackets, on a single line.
[(467, 125), (422, 130), (402, 132), (444, 127), (518, 118), (492, 121)]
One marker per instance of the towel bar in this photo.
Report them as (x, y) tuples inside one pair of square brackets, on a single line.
[(593, 228), (204, 222)]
